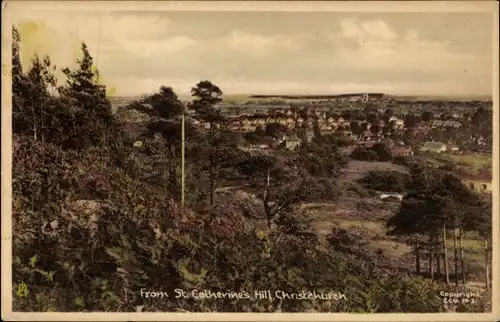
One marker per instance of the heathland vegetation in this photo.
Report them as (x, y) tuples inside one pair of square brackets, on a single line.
[(98, 211)]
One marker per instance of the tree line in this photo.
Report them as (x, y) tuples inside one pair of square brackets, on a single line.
[(438, 205)]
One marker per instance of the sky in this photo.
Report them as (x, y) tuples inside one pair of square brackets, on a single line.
[(272, 52)]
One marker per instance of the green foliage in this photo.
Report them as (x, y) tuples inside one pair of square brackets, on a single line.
[(388, 181), (378, 152), (206, 96), (275, 130), (436, 198), (78, 118), (321, 157)]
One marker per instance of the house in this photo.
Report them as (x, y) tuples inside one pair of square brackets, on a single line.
[(453, 124), (391, 197), (399, 124), (436, 147), (402, 151), (365, 136), (291, 142), (261, 121), (389, 143), (421, 129), (235, 126), (326, 128), (347, 133), (437, 123), (309, 135), (327, 132)]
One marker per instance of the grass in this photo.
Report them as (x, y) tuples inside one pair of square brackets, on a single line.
[(375, 227), (478, 184), (469, 244), (375, 234), (475, 161), (393, 248)]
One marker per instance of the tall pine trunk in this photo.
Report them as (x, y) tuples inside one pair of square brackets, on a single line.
[(460, 240), (455, 248), (486, 264), (172, 173), (445, 255), (437, 253), (431, 259), (165, 178), (417, 255), (212, 164), (35, 130)]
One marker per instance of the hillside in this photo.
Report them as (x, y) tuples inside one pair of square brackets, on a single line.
[(100, 224)]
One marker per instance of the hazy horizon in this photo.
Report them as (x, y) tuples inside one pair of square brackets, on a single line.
[(273, 53)]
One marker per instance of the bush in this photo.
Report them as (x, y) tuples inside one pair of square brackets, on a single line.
[(378, 152), (388, 181), (402, 160)]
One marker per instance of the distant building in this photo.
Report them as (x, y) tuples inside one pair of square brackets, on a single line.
[(309, 135), (391, 197), (290, 142), (402, 151), (436, 147)]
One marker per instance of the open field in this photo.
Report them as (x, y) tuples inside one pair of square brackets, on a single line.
[(366, 216), (370, 223), (374, 232), (476, 161)]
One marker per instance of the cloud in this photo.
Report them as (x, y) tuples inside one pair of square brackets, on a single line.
[(378, 29), (259, 46), (147, 48), (375, 45), (137, 52)]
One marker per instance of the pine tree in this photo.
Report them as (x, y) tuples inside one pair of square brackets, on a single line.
[(93, 121), (32, 99), (165, 108), (437, 202), (207, 95)]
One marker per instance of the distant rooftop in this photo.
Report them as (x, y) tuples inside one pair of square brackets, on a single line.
[(434, 145)]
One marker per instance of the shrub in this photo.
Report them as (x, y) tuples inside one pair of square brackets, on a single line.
[(402, 160), (388, 181), (378, 152)]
